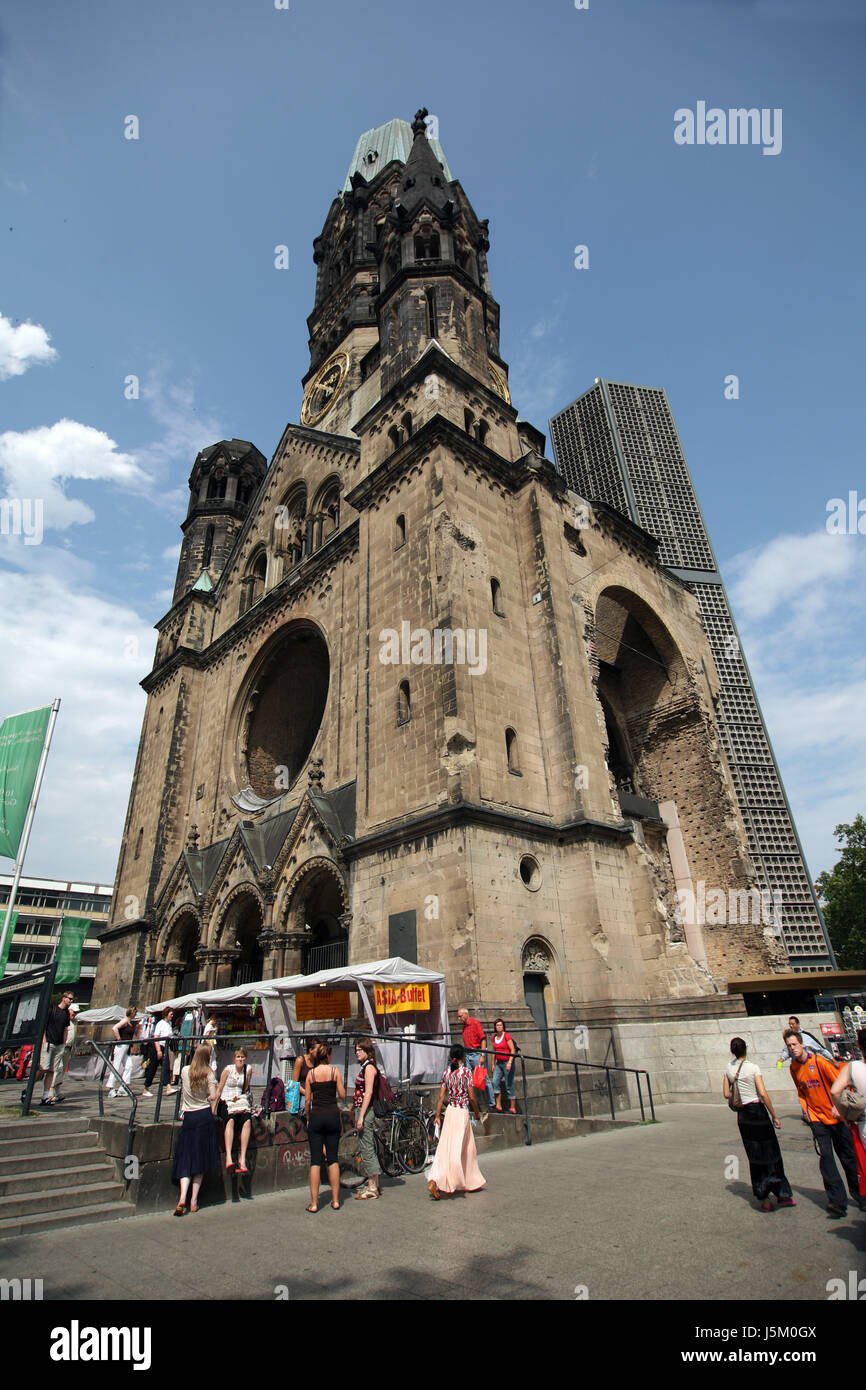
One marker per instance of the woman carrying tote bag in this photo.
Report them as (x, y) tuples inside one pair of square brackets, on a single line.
[(744, 1090)]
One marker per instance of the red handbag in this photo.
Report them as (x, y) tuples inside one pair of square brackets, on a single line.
[(479, 1077)]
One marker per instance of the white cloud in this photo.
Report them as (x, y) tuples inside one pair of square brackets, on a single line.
[(63, 640), (800, 603), (791, 570), (185, 432), (21, 346), (36, 463)]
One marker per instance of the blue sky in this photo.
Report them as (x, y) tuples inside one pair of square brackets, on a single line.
[(155, 257)]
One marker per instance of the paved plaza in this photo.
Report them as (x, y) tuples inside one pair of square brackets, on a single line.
[(643, 1213)]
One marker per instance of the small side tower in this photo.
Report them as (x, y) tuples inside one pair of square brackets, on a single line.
[(224, 480)]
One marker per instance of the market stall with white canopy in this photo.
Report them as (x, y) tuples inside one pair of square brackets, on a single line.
[(401, 1001)]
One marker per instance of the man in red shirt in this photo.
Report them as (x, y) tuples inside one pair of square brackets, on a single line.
[(813, 1076), (474, 1039)]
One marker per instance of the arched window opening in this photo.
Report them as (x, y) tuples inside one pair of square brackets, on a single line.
[(395, 434), (400, 532), (468, 421), (290, 527), (496, 597), (326, 514), (430, 297), (404, 703), (406, 422), (427, 245), (512, 752), (253, 586), (138, 843), (216, 489), (207, 551), (481, 430)]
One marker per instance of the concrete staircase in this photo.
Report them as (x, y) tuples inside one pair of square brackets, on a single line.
[(54, 1172)]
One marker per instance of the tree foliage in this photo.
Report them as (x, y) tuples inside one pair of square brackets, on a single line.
[(843, 897)]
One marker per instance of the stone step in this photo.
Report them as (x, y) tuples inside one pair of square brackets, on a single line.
[(53, 1220), (40, 1125), (54, 1178), (31, 1204), (39, 1142), (28, 1159), (508, 1131)]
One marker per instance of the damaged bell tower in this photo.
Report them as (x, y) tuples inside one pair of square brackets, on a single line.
[(421, 698)]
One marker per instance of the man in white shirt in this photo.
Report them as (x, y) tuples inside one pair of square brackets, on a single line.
[(811, 1042), (160, 1055)]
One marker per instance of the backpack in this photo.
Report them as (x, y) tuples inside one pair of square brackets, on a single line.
[(384, 1097), (274, 1097)]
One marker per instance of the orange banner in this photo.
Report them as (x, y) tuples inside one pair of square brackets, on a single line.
[(323, 1003)]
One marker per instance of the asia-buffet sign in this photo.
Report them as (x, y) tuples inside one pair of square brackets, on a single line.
[(400, 999)]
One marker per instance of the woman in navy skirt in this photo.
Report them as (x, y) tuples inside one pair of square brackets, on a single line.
[(196, 1152)]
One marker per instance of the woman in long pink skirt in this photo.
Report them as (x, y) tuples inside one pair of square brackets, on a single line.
[(455, 1167)]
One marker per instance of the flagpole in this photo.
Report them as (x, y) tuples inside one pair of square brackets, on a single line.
[(28, 822)]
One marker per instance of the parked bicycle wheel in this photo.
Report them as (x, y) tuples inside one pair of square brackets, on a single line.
[(411, 1143), (388, 1160)]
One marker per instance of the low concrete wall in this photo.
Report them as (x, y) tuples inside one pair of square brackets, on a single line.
[(276, 1161), (281, 1160), (686, 1059)]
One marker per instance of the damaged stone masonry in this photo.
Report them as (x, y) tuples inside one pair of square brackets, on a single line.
[(297, 798)]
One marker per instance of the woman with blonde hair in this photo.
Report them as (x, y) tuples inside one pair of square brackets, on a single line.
[(234, 1090), (196, 1152)]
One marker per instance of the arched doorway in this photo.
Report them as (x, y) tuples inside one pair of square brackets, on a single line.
[(178, 952), (187, 936), (241, 930), (328, 940), (537, 966), (317, 913)]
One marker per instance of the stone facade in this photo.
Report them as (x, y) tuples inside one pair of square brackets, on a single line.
[(412, 692)]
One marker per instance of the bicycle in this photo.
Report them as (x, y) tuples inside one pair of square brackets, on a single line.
[(401, 1147), (413, 1104)]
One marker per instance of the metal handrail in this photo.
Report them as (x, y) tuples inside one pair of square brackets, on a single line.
[(188, 1042), (130, 1132)]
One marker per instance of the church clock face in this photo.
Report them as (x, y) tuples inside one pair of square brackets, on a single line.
[(324, 389), (499, 383)]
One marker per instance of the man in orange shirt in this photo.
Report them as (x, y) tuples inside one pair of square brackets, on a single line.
[(813, 1076)]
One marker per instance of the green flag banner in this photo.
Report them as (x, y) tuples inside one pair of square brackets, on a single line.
[(68, 956), (4, 958), (22, 737)]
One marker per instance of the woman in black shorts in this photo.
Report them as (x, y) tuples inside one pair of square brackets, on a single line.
[(322, 1087)]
